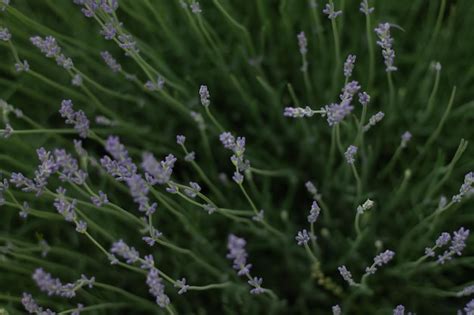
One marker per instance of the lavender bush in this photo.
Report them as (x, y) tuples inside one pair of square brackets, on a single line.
[(236, 157)]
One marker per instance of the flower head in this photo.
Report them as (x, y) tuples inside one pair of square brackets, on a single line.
[(350, 154), (349, 65), (330, 11), (386, 41)]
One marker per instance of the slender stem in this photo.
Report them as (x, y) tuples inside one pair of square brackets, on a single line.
[(358, 181), (214, 120)]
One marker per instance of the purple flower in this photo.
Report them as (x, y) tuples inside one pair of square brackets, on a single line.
[(195, 7), (364, 7), (399, 310), (298, 112), (469, 308), (302, 237), (158, 172), (210, 208), (458, 243), (191, 156), (364, 98), (148, 262), (68, 168), (156, 85), (302, 43), (157, 288), (54, 286), (350, 153), (238, 254), (25, 210), (47, 46), (127, 43), (406, 137), (110, 61), (380, 260), (314, 212), (386, 41), (238, 178), (227, 139), (374, 120), (81, 226), (181, 284), (256, 283), (180, 139), (204, 95), (121, 249), (109, 31), (4, 4), (259, 216), (349, 65), (443, 239), (336, 310), (32, 307), (8, 131), (346, 275), (193, 190), (312, 190), (466, 187), (78, 119), (65, 207), (329, 11), (22, 66), (5, 34), (335, 113), (76, 80), (100, 200), (466, 291)]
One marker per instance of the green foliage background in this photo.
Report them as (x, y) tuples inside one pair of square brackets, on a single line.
[(249, 101)]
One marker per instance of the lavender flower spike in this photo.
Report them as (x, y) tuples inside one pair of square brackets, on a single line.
[(349, 65), (110, 61), (298, 112), (346, 275), (399, 310), (330, 12), (386, 41), (204, 95), (314, 212), (458, 243), (350, 153), (302, 237), (302, 43), (336, 310), (406, 137), (76, 118), (364, 7), (466, 187), (380, 260), (32, 307), (5, 34)]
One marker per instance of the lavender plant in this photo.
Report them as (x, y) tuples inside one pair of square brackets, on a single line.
[(252, 157)]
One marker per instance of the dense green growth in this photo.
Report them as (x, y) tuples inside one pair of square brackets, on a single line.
[(247, 53)]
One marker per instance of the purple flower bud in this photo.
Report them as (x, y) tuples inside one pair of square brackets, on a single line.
[(346, 275), (399, 310), (204, 95), (5, 34), (78, 119), (8, 131), (364, 7), (110, 61), (298, 112), (238, 178), (349, 65), (302, 237), (121, 249), (350, 154), (406, 137), (336, 310), (22, 66), (181, 284), (330, 12), (314, 212), (302, 43), (180, 139), (386, 41)]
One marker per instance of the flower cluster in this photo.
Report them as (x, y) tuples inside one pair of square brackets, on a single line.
[(110, 61), (458, 243), (336, 112), (314, 212), (349, 65), (5, 34), (50, 48), (330, 11), (364, 7), (32, 307), (350, 154), (76, 118), (238, 160), (376, 118), (204, 95), (380, 260), (386, 41), (466, 188), (54, 286), (406, 137), (346, 275), (238, 254), (367, 205), (298, 112)]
